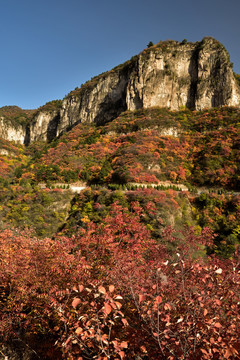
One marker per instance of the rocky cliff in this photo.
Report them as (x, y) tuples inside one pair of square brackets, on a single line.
[(10, 132), (170, 74), (44, 126), (13, 123)]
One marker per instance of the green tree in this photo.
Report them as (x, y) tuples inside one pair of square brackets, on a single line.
[(150, 44)]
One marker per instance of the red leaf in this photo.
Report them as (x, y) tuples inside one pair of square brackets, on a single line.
[(76, 302), (81, 288), (68, 340), (204, 351), (102, 290), (158, 299), (167, 306), (122, 354), (141, 298), (111, 288), (124, 345), (79, 330), (119, 305), (107, 308), (228, 353), (124, 321)]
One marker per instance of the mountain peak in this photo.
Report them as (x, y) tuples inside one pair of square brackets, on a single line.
[(169, 74)]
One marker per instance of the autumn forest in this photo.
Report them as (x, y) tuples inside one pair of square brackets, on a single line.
[(143, 262)]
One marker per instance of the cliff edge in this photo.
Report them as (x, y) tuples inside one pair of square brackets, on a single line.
[(169, 74)]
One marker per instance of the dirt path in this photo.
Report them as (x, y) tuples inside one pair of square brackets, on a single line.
[(77, 187)]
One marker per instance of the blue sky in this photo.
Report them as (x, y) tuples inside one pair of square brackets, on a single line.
[(49, 47)]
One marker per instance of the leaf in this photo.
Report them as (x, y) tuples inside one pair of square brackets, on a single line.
[(102, 290), (111, 288), (115, 343), (68, 340), (141, 298), (218, 325), (218, 271), (119, 305), (124, 321), (167, 306), (212, 341), (107, 308), (204, 351), (158, 299), (180, 319), (143, 349), (76, 302), (81, 288), (121, 354), (205, 312), (124, 345), (228, 353), (79, 331)]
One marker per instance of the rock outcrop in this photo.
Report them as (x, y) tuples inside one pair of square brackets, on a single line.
[(170, 74), (44, 126), (11, 132)]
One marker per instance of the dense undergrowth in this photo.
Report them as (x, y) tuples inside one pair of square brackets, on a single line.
[(123, 272), (195, 148), (16, 116)]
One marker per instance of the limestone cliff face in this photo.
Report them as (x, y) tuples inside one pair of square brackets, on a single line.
[(196, 75), (43, 127), (170, 74), (100, 100), (193, 75), (216, 85), (11, 132)]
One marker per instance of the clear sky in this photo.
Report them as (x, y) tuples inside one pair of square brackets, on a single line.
[(48, 47)]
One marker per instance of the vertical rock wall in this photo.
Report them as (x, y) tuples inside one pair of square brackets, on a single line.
[(170, 74)]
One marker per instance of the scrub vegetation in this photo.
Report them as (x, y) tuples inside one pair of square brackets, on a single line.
[(141, 264)]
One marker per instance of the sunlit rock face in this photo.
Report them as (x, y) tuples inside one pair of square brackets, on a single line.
[(170, 74), (11, 132), (100, 100), (44, 126)]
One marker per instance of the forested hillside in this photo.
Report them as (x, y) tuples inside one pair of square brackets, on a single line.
[(143, 263)]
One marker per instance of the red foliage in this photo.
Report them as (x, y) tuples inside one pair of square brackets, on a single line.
[(113, 292)]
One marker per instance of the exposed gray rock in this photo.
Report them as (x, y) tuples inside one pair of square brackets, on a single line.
[(44, 126), (11, 132), (173, 75), (99, 102)]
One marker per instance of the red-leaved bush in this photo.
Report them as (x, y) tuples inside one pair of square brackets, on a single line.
[(112, 292)]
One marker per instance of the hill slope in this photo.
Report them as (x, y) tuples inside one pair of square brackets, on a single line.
[(143, 263), (169, 74)]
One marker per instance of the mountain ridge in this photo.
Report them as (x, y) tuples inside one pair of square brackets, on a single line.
[(169, 74)]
